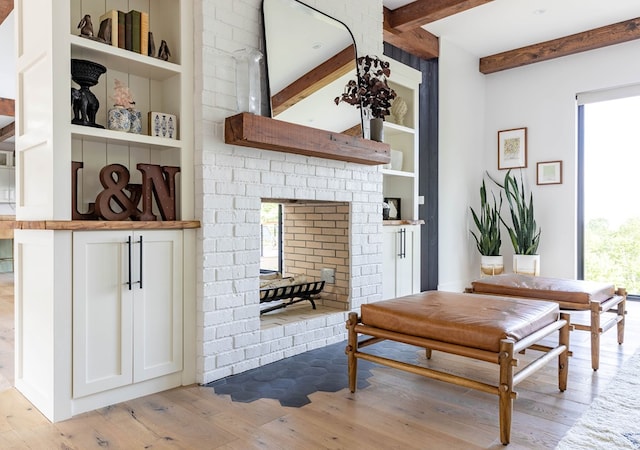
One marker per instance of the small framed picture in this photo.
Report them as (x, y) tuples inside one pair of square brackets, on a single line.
[(394, 207), (512, 148), (163, 125), (549, 172)]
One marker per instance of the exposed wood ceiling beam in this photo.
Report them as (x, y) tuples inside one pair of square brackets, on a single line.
[(6, 6), (327, 72), (7, 107), (416, 41), (7, 131), (420, 12), (569, 45)]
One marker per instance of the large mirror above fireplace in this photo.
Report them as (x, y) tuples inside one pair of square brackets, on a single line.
[(310, 57)]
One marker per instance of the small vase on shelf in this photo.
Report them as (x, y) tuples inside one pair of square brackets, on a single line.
[(135, 118), (376, 129), (119, 119), (398, 110), (123, 117)]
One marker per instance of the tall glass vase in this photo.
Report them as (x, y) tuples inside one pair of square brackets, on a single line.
[(250, 81)]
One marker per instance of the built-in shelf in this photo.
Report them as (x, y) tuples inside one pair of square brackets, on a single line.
[(123, 60), (398, 173), (104, 135), (250, 130)]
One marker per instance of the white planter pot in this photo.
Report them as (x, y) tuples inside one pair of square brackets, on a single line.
[(526, 264), (491, 265)]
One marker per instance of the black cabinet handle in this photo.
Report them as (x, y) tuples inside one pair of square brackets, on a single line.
[(403, 243), (129, 251), (140, 262)]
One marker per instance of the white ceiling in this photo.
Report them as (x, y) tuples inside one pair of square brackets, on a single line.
[(502, 25)]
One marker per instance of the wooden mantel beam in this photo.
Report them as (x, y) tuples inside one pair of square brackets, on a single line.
[(317, 78), (7, 131), (416, 41), (7, 107), (6, 6), (421, 12), (569, 45)]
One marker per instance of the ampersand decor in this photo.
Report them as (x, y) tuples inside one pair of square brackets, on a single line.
[(115, 179), (113, 203)]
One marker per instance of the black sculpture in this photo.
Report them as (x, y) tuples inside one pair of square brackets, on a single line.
[(163, 51), (85, 26), (84, 102)]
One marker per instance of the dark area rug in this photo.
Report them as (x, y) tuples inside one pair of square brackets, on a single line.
[(292, 379)]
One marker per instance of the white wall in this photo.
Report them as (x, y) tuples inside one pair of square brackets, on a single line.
[(540, 97), (8, 57), (461, 162)]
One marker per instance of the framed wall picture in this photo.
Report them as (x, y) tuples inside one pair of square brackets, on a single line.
[(512, 148), (549, 172), (394, 207)]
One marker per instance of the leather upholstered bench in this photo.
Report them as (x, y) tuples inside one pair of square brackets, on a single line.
[(571, 295), (486, 328)]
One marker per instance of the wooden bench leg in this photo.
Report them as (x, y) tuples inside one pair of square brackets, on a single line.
[(563, 358), (595, 335), (352, 347), (506, 361), (622, 308)]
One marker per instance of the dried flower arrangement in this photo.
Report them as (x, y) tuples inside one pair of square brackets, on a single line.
[(371, 91), (121, 95)]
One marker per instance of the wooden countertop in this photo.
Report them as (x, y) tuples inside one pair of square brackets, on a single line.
[(84, 225), (402, 222)]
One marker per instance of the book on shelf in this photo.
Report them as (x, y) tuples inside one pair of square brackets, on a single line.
[(128, 28), (135, 30), (144, 33), (121, 27), (109, 27)]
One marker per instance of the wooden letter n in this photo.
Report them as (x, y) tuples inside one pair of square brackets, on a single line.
[(161, 181)]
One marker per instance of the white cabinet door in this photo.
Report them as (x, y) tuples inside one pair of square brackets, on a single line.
[(400, 266), (405, 271), (157, 304), (102, 312), (127, 307), (389, 256)]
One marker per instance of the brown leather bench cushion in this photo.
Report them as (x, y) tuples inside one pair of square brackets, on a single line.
[(477, 321), (556, 289)]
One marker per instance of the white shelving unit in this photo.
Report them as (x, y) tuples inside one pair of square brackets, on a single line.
[(401, 248), (402, 182), (48, 295)]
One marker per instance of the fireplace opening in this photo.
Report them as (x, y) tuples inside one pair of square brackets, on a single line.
[(304, 242)]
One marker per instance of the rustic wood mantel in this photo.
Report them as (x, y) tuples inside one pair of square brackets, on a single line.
[(250, 130)]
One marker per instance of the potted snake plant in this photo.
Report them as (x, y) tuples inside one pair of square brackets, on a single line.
[(524, 231), (488, 239)]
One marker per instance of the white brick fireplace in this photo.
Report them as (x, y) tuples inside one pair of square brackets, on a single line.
[(231, 181)]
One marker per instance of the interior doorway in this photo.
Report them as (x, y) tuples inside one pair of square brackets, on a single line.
[(609, 158)]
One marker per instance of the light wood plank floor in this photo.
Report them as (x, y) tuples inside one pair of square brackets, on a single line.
[(397, 411)]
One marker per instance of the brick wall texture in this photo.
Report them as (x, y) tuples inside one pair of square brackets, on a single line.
[(231, 181)]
